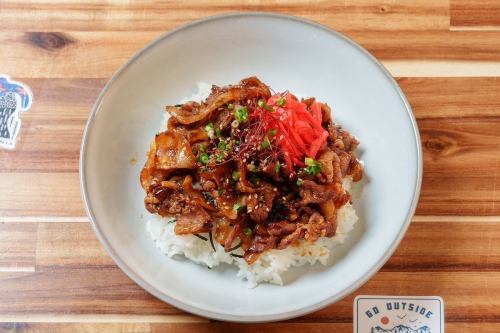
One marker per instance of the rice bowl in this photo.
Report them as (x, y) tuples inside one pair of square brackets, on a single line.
[(270, 266), (367, 100)]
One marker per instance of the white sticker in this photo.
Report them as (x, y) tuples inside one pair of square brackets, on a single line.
[(15, 97), (398, 314)]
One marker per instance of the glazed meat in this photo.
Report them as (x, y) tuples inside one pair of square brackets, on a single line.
[(254, 170), (195, 222), (312, 192), (259, 204), (169, 151), (193, 112)]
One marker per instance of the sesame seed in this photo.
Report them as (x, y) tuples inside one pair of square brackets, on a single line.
[(275, 189)]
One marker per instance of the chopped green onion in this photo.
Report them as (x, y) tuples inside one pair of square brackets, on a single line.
[(236, 175), (222, 145), (281, 101), (251, 167), (262, 104), (300, 181), (277, 167), (220, 157), (230, 106), (235, 124), (241, 115), (204, 158), (247, 231), (313, 167), (273, 132), (266, 144), (238, 207), (217, 132), (203, 147), (309, 161), (210, 130)]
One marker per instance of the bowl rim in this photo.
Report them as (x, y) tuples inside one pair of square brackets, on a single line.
[(220, 315)]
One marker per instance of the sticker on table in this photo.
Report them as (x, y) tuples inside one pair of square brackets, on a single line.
[(398, 314), (15, 97)]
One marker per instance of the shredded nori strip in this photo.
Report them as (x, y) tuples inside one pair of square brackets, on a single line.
[(211, 240), (279, 212), (210, 199), (236, 255), (201, 237), (234, 247)]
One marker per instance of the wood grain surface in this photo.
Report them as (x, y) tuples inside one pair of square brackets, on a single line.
[(445, 54), (475, 15)]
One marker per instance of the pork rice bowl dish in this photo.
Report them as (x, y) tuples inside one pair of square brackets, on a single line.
[(250, 177)]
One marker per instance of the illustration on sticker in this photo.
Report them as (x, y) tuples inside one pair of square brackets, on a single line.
[(377, 314), (15, 97)]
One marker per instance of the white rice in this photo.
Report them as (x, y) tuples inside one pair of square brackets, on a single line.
[(268, 268), (272, 264)]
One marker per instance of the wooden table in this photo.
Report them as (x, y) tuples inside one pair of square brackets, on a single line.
[(55, 276)]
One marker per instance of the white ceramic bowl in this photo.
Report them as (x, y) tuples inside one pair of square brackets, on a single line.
[(287, 53)]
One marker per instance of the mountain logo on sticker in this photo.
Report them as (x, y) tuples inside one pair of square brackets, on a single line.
[(401, 329), (398, 314), (15, 97)]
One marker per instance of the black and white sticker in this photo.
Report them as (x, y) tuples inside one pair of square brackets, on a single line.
[(15, 97), (398, 314)]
